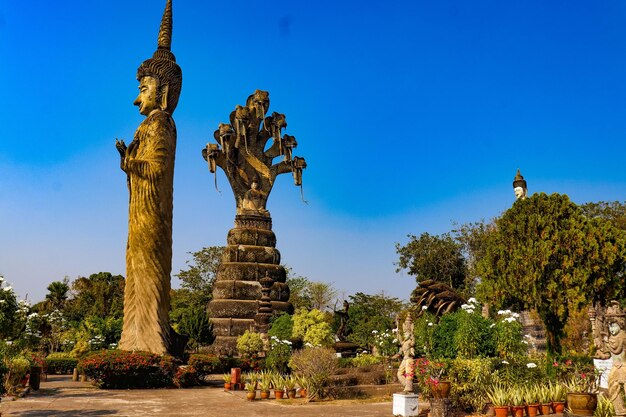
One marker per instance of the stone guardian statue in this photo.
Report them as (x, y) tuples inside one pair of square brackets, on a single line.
[(148, 162), (615, 344), (406, 370)]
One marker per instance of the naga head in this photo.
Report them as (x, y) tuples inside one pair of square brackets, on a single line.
[(259, 102)]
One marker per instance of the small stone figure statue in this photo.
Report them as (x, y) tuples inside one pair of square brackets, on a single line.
[(254, 200), (615, 344), (148, 162), (342, 331), (520, 187), (406, 371)]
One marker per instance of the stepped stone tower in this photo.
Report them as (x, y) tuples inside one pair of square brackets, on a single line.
[(250, 283)]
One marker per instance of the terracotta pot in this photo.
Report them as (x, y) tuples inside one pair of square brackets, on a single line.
[(582, 403), (291, 393), (558, 406), (303, 392), (227, 386), (251, 395), (279, 394), (501, 411), (546, 409), (441, 389), (532, 410), (517, 410), (265, 394)]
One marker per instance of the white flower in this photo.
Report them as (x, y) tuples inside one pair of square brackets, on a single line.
[(525, 342), (464, 306), (472, 300), (516, 315), (424, 307), (374, 331), (394, 330), (531, 365), (509, 319), (7, 288), (430, 323), (395, 341), (307, 344), (492, 325), (505, 362), (287, 342)]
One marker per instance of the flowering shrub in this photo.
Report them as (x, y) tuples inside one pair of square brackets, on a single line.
[(508, 335), (277, 358), (120, 369), (429, 373), (186, 376), (312, 328), (385, 342), (204, 365)]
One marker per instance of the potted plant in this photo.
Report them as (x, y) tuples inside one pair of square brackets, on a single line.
[(226, 378), (278, 382), (545, 399), (558, 396), (303, 383), (582, 393), (251, 388), (290, 386), (264, 387), (498, 396), (531, 397), (516, 400)]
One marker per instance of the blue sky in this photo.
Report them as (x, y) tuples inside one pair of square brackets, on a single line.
[(411, 115)]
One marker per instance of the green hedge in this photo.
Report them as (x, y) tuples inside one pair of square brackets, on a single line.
[(119, 369), (205, 365), (60, 364)]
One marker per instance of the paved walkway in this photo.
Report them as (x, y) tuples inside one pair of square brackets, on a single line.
[(60, 397)]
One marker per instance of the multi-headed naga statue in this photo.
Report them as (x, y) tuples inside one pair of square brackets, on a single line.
[(251, 258), (149, 165)]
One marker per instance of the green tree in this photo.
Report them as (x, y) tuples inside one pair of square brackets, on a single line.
[(9, 311), (613, 211), (196, 325), (545, 254), (312, 327), (368, 313), (299, 295), (322, 295), (58, 292), (433, 257), (99, 295), (196, 283)]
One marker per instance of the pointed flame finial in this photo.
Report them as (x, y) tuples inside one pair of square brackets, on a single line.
[(165, 31)]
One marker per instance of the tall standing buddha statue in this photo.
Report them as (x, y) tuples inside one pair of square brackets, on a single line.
[(148, 162)]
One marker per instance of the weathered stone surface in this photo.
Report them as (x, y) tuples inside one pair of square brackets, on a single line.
[(231, 327), (148, 162), (248, 290), (253, 237), (248, 253), (250, 271)]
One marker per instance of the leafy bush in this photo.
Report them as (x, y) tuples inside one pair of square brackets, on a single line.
[(249, 344), (312, 328), (186, 376), (18, 368), (366, 359), (508, 335), (121, 369), (277, 358), (196, 325), (316, 365), (443, 336), (474, 336), (60, 363), (471, 379), (205, 365), (281, 327)]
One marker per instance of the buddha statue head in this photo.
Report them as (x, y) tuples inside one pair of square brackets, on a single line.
[(160, 78), (519, 186)]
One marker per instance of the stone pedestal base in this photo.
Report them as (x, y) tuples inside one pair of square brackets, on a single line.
[(440, 407), (405, 405)]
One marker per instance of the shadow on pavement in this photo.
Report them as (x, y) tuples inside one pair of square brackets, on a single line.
[(67, 413)]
